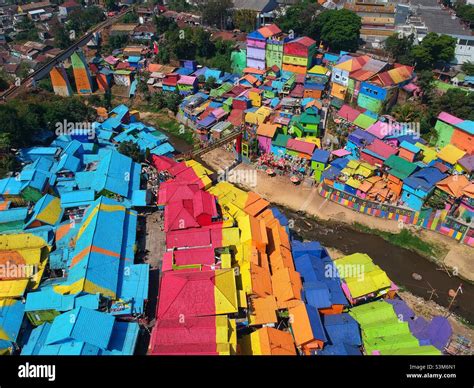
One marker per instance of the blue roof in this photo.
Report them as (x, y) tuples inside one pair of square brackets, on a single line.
[(134, 58), (13, 215), (331, 173), (139, 198), (117, 174), (68, 162), (409, 146), (119, 111), (132, 290), (467, 125), (342, 328), (317, 294), (11, 318), (163, 149), (77, 198), (424, 179), (111, 123), (361, 137), (123, 340), (90, 326), (316, 324), (11, 186), (255, 35), (321, 156), (340, 350)]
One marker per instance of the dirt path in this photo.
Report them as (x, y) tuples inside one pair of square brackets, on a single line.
[(279, 190)]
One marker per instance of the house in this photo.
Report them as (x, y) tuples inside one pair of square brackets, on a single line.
[(66, 8), (298, 55), (319, 162), (265, 135), (377, 152), (187, 85), (263, 9), (419, 186), (398, 169)]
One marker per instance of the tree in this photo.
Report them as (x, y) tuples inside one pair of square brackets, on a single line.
[(433, 49), (172, 101), (60, 36), (468, 68), (23, 70), (7, 159), (457, 102), (400, 48), (4, 84), (131, 17), (110, 5), (339, 29), (210, 82), (117, 41), (245, 19), (215, 12), (425, 81), (164, 24), (132, 150), (466, 13), (299, 18)]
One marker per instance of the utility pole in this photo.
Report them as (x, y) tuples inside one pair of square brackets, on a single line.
[(459, 290)]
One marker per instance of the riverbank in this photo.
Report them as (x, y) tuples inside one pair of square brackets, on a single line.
[(279, 190)]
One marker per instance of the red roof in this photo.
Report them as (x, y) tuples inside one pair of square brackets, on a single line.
[(194, 335), (236, 117), (381, 148), (204, 256), (348, 113), (305, 41), (176, 191), (186, 293), (198, 237), (179, 215), (300, 146), (162, 163)]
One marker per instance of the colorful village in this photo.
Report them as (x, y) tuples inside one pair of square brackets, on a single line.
[(234, 278)]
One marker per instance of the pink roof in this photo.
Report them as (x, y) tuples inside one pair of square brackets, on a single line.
[(186, 293), (198, 237), (448, 118), (381, 148), (187, 80), (162, 163), (179, 216), (204, 256), (381, 130), (111, 60), (219, 113), (196, 335), (204, 203), (340, 152), (301, 146), (348, 113), (176, 191)]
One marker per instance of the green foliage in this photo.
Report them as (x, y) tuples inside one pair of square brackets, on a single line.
[(210, 83), (117, 41), (164, 100), (340, 29), (164, 24), (400, 48), (82, 19), (7, 159), (27, 31), (458, 102), (110, 5), (466, 13), (131, 150), (216, 12), (468, 68), (245, 20), (179, 5), (131, 17), (432, 49), (60, 36), (299, 18)]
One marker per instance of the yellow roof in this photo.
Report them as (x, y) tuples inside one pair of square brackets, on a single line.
[(451, 154), (429, 154), (225, 291), (318, 69), (13, 288), (353, 183)]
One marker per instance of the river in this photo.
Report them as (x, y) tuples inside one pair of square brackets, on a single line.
[(399, 263)]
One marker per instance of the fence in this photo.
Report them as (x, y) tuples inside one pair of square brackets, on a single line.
[(430, 219)]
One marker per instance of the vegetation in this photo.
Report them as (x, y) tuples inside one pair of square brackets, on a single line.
[(193, 43), (245, 20), (338, 29), (434, 49), (25, 118), (166, 100), (174, 128), (83, 19), (129, 148), (216, 12), (131, 17), (468, 68), (465, 12), (27, 31)]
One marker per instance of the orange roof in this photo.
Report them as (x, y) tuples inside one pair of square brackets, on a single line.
[(261, 280), (469, 190), (267, 130), (253, 70), (365, 186), (269, 30), (275, 342), (301, 325), (286, 284), (259, 232), (453, 185), (250, 78), (255, 204), (264, 310)]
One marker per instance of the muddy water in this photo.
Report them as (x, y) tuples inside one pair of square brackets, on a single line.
[(397, 262)]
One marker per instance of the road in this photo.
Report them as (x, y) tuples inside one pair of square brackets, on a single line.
[(46, 68)]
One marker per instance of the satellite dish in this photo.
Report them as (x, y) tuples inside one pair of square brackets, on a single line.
[(140, 20)]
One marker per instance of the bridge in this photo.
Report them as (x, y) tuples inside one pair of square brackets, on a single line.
[(219, 143), (61, 57)]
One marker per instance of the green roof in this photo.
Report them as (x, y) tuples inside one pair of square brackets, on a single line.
[(306, 118), (399, 167), (281, 140), (224, 88), (364, 121)]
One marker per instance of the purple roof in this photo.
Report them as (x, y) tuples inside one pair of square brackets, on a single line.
[(360, 137), (467, 162), (402, 310), (437, 332)]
